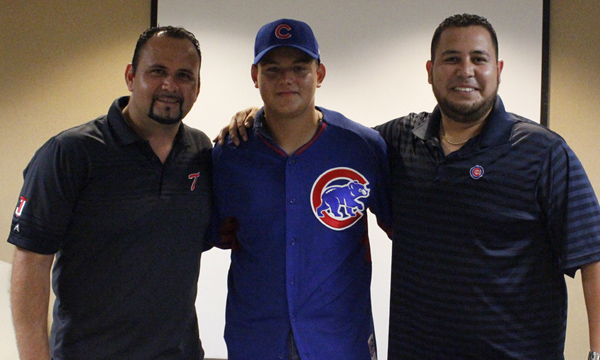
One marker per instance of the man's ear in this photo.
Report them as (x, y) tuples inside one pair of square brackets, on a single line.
[(129, 75), (254, 74), (321, 72), (429, 67), (500, 66)]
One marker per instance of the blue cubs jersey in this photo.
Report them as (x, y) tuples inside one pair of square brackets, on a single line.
[(297, 227)]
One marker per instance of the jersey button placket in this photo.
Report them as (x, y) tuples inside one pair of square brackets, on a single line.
[(293, 227)]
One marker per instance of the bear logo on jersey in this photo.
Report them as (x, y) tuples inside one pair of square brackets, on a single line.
[(337, 197), (341, 200)]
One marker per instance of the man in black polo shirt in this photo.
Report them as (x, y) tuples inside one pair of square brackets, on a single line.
[(121, 203), (491, 210)]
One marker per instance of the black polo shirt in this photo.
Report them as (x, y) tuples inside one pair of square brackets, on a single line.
[(127, 231), (483, 238)]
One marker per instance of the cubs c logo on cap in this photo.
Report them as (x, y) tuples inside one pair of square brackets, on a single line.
[(337, 197), (283, 31)]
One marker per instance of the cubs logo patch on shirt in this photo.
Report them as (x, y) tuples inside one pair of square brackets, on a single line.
[(476, 172), (337, 197)]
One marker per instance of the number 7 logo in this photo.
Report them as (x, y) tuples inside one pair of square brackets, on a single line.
[(194, 176)]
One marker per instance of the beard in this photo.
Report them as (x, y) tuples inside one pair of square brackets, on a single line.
[(466, 113), (167, 119)]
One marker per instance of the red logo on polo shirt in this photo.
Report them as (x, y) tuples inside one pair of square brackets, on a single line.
[(195, 177), (19, 210), (337, 197), (476, 172)]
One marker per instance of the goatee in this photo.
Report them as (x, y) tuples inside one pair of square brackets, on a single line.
[(164, 119), (466, 114)]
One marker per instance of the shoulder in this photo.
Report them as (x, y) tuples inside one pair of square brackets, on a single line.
[(530, 145), (195, 137), (67, 154), (341, 122), (534, 137), (99, 129), (78, 137), (409, 121), (402, 126), (525, 128)]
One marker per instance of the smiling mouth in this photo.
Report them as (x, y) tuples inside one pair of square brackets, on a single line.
[(168, 100), (464, 89)]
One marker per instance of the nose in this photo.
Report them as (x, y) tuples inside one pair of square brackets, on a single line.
[(169, 83), (466, 68), (287, 76)]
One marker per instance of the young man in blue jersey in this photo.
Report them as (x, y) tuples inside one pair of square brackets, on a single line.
[(491, 210), (120, 206), (291, 204)]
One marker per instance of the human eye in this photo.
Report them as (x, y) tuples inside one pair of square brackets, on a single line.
[(157, 71), (480, 60), (272, 69), (186, 76), (480, 57), (300, 68), (452, 59)]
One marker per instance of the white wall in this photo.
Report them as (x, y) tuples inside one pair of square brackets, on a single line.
[(375, 54)]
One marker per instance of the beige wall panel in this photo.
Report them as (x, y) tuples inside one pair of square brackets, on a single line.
[(574, 110), (63, 63)]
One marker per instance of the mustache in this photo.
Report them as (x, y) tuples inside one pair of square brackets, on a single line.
[(168, 96)]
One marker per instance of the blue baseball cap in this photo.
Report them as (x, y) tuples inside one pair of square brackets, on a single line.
[(285, 32)]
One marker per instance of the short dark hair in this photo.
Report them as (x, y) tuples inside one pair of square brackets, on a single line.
[(462, 20), (169, 31)]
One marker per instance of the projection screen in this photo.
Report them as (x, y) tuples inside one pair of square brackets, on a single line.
[(375, 54)]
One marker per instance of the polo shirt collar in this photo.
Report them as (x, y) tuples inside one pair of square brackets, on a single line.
[(183, 136), (125, 135), (497, 129)]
